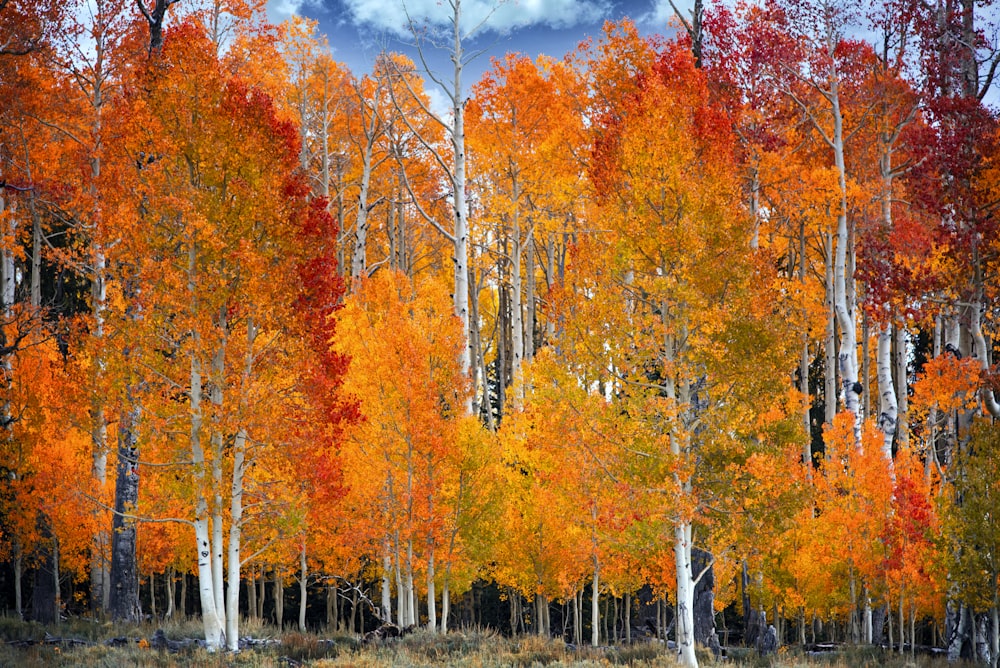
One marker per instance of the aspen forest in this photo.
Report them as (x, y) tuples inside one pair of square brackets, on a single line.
[(683, 337)]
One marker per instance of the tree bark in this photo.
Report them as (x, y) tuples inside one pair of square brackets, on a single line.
[(595, 608), (279, 599), (888, 407), (124, 568), (829, 342), (685, 596), (169, 612), (303, 586)]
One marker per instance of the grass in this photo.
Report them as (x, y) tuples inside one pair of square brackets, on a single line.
[(475, 648)]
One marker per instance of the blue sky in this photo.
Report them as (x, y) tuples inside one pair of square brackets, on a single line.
[(358, 29)]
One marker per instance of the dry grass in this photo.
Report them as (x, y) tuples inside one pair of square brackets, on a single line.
[(462, 649)]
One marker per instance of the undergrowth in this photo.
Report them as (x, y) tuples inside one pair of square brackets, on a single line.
[(90, 644)]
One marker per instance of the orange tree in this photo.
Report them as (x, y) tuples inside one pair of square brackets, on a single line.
[(671, 311), (402, 460)]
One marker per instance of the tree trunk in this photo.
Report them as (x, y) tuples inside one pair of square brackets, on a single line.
[(830, 339), (332, 616), (152, 595), (18, 574), (359, 264), (233, 552), (386, 588), (218, 457), (685, 595), (843, 284), (445, 600), (901, 357), (628, 618), (595, 609), (252, 593), (529, 297), (888, 406), (233, 557), (261, 593), (279, 599), (303, 586), (124, 601), (169, 612), (212, 623), (184, 595), (461, 233), (578, 617), (431, 593), (45, 592), (704, 600)]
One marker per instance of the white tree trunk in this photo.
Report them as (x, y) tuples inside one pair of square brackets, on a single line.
[(211, 621), (445, 603), (233, 556), (409, 593), (685, 596), (303, 586), (8, 276), (386, 588), (401, 597), (830, 339), (359, 257), (595, 610), (431, 592), (516, 322), (461, 208), (100, 573), (844, 305), (981, 353), (218, 455), (888, 408), (902, 386)]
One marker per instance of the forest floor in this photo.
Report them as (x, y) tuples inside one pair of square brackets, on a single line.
[(86, 644)]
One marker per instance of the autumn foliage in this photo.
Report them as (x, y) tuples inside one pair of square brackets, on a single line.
[(727, 320)]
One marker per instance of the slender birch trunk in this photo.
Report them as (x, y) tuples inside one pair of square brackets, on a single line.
[(303, 585), (171, 592), (888, 408), (516, 322), (359, 261), (233, 553), (627, 602), (902, 384), (830, 339), (445, 600), (595, 611), (386, 588), (279, 599), (529, 297), (844, 306), (458, 189), (410, 593), (212, 623), (401, 597), (684, 627), (233, 559), (218, 457), (804, 365), (431, 593)]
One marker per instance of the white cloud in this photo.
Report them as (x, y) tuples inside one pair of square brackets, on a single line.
[(282, 10), (499, 18), (661, 14)]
